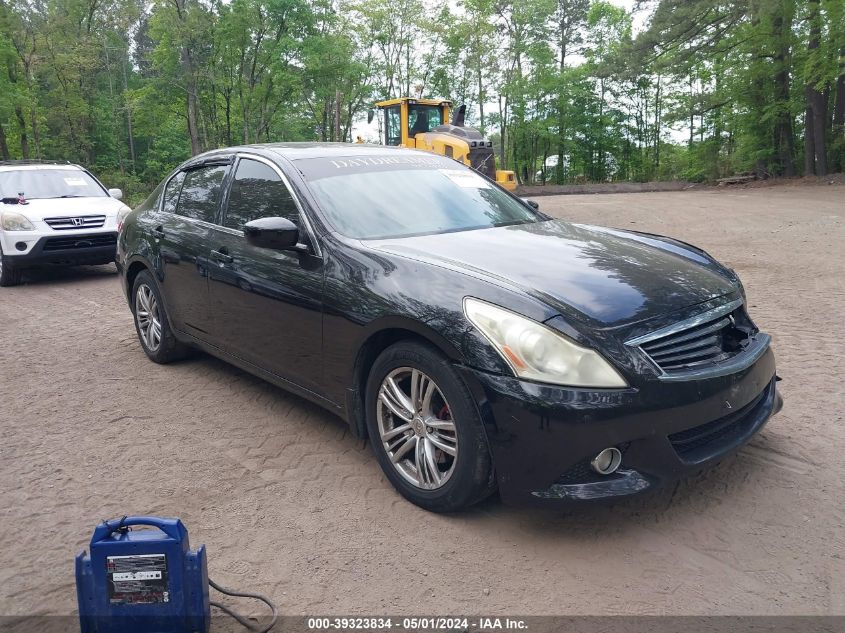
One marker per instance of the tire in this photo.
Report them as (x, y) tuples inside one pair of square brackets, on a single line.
[(152, 323), (446, 420), (9, 275)]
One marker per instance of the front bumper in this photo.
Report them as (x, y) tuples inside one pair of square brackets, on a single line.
[(67, 249), (543, 437)]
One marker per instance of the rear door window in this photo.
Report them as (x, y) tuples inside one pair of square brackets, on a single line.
[(171, 193), (201, 193), (258, 192)]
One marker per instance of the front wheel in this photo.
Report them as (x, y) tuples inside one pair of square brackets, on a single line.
[(9, 275), (425, 429), (151, 322)]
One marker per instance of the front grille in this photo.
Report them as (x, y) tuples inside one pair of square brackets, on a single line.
[(704, 440), (80, 242), (707, 339), (76, 222)]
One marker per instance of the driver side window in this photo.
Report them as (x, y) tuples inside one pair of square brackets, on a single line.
[(258, 192)]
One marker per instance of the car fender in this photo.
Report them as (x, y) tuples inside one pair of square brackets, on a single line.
[(399, 322)]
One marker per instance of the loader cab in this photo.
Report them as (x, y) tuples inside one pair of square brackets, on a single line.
[(404, 118), (424, 124)]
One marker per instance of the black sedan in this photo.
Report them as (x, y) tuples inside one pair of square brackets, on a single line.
[(478, 343)]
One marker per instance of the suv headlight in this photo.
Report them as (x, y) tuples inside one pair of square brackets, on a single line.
[(121, 217), (536, 352), (13, 221)]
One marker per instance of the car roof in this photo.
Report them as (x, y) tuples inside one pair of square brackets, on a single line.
[(295, 151)]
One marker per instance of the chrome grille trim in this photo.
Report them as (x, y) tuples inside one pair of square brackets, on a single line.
[(695, 347), (715, 327), (662, 351), (686, 324), (68, 223), (758, 346)]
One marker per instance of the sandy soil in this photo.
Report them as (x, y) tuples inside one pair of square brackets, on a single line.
[(290, 504)]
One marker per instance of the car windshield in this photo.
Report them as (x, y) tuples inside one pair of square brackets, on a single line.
[(49, 183), (383, 196)]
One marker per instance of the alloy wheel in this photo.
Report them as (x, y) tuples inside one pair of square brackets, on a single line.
[(416, 428), (148, 317)]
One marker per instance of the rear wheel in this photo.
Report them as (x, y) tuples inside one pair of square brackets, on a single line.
[(151, 322), (425, 429), (9, 274)]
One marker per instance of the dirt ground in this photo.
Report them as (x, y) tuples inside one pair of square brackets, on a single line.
[(288, 503)]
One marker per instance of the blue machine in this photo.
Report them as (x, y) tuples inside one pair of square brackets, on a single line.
[(142, 581)]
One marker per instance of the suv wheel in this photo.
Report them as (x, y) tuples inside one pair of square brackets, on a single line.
[(151, 322), (425, 429), (9, 275)]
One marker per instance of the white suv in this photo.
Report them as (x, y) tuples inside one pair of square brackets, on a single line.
[(54, 213)]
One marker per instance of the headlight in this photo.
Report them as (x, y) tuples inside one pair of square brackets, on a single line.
[(536, 352), (16, 222), (121, 217)]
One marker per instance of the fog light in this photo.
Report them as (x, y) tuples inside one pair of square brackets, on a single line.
[(607, 461), (21, 246)]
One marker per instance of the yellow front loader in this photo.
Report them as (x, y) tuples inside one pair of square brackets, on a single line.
[(424, 124)]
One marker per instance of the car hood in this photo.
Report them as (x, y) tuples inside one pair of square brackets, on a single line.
[(40, 208), (603, 276)]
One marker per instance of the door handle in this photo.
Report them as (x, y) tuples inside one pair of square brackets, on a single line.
[(159, 231), (222, 257)]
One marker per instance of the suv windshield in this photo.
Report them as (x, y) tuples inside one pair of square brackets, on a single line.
[(49, 183), (380, 196)]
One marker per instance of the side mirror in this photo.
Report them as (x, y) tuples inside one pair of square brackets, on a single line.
[(117, 194), (532, 203), (277, 233)]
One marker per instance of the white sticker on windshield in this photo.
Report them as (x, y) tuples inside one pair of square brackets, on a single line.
[(465, 178), (75, 182)]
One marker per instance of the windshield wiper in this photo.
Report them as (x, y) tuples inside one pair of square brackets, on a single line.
[(70, 195), (511, 223)]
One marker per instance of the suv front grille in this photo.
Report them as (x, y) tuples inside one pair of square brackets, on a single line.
[(80, 242), (704, 340), (76, 222)]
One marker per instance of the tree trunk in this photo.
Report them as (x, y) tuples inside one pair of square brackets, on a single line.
[(503, 109), (130, 135), (193, 130), (23, 135), (480, 100), (187, 62), (816, 101), (36, 137), (691, 112), (839, 116), (839, 109), (657, 120), (337, 106), (4, 147), (820, 131), (809, 140), (227, 95), (784, 136), (561, 112), (759, 92)]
